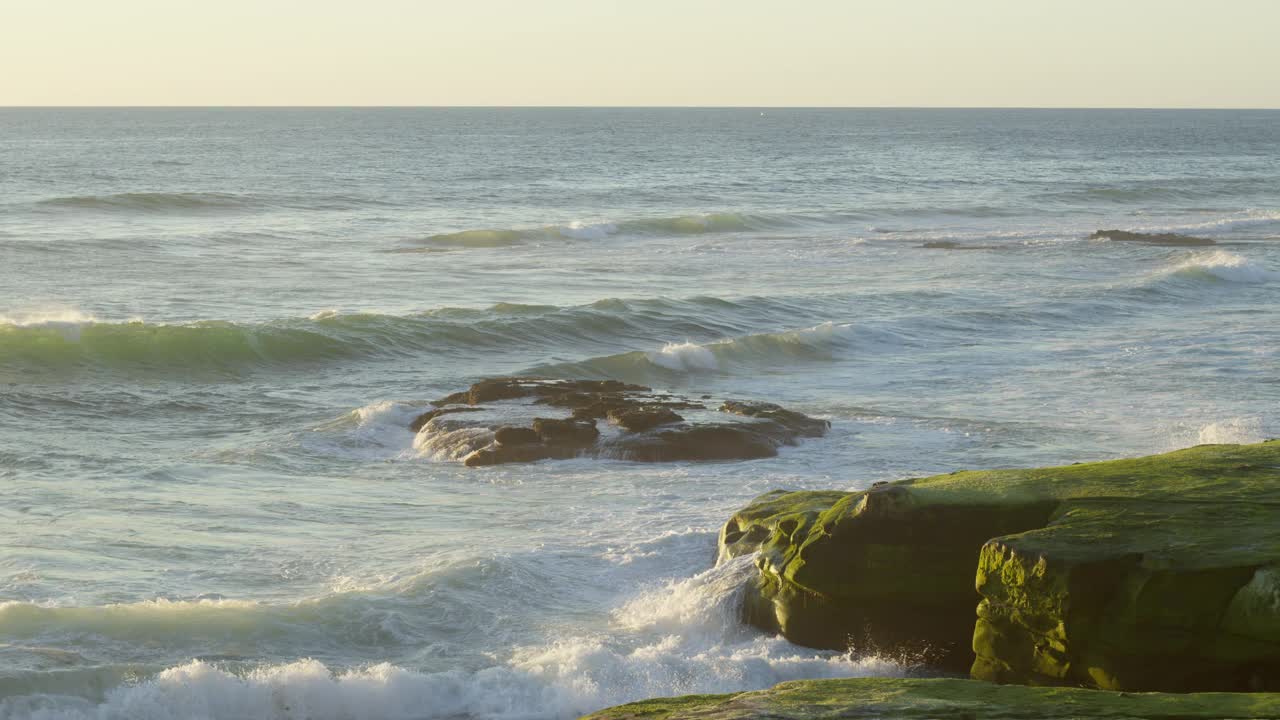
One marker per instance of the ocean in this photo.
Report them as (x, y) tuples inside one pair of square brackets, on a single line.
[(217, 324)]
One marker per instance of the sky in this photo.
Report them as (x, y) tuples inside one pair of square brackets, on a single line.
[(861, 53)]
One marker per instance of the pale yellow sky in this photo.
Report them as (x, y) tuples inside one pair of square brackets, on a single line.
[(1025, 53)]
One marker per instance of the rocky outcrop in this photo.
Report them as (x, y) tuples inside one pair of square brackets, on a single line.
[(639, 419), (1157, 573), (642, 425), (1171, 239), (921, 698), (953, 245)]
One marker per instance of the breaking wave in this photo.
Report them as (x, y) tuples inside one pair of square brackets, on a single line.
[(1221, 265), (821, 342), (679, 637)]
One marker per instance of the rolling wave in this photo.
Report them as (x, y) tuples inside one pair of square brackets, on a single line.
[(70, 340), (669, 226), (150, 202), (196, 202), (1173, 190)]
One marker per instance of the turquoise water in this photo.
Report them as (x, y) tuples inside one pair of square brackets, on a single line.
[(216, 325)]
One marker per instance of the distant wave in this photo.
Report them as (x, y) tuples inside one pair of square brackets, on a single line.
[(196, 202), (150, 201), (669, 226), (1172, 190)]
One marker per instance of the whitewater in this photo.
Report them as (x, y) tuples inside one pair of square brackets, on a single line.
[(217, 325)]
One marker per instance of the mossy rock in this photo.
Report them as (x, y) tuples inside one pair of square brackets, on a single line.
[(943, 698), (1156, 573)]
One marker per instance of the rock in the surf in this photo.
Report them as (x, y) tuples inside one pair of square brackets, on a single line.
[(639, 419), (1172, 239), (516, 436), (566, 431), (644, 425)]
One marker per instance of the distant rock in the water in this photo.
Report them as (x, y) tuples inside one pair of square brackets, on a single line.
[(642, 426), (1172, 239), (952, 245)]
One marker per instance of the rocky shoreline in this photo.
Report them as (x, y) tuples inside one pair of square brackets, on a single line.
[(1159, 573)]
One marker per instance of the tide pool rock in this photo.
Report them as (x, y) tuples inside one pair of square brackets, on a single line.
[(1156, 573), (921, 698)]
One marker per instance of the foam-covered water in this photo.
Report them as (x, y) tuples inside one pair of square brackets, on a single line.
[(217, 325)]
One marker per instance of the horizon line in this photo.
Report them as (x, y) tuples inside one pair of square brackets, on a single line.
[(632, 107)]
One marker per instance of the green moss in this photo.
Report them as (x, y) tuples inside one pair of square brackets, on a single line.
[(1148, 573), (661, 708), (944, 698)]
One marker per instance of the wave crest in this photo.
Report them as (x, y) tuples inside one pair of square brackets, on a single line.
[(1222, 265), (670, 226), (821, 342), (68, 340)]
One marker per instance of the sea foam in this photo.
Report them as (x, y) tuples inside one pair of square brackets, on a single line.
[(1223, 265), (1240, 430), (678, 637)]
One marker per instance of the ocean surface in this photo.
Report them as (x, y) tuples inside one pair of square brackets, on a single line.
[(217, 324)]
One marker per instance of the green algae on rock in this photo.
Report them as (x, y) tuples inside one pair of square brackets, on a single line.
[(944, 698), (1156, 573)]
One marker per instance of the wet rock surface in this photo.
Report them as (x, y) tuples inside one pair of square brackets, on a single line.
[(1171, 239), (515, 425), (952, 245)]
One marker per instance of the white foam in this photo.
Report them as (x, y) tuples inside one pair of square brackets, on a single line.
[(1225, 265), (450, 445), (587, 231), (679, 637), (48, 318), (1246, 218), (68, 322), (684, 357), (379, 430), (1240, 430)]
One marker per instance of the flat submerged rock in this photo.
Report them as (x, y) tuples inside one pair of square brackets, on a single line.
[(517, 419), (1167, 239), (943, 698), (1155, 573)]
